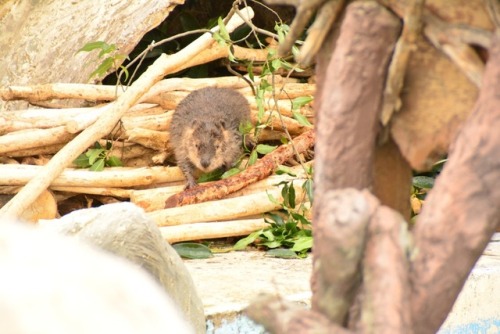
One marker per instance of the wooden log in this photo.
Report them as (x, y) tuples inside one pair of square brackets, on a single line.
[(154, 199), (224, 209), (462, 210), (261, 169), (45, 206), (119, 177), (28, 139), (213, 230), (100, 191)]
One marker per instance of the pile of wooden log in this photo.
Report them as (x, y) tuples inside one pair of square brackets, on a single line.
[(30, 137)]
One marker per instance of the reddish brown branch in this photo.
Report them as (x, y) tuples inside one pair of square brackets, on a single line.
[(462, 210), (262, 168)]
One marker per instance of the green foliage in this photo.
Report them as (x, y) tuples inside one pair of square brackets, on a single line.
[(192, 250), (289, 233), (97, 157), (421, 184), (108, 63)]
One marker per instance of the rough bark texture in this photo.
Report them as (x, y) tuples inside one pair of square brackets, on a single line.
[(281, 317), (351, 96), (462, 211), (385, 275), (340, 235)]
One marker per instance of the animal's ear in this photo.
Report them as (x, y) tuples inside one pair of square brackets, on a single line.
[(221, 124)]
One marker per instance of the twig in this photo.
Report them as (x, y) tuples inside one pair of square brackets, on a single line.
[(203, 231)]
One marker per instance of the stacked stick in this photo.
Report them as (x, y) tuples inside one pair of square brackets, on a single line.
[(141, 140)]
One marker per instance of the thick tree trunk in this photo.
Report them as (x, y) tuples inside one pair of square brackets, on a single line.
[(347, 129), (462, 211), (351, 97)]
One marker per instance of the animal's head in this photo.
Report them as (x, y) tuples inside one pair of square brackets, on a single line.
[(206, 143)]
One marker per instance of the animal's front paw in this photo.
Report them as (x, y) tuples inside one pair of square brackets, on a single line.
[(190, 185)]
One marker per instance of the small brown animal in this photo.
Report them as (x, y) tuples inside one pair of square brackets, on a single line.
[(204, 130)]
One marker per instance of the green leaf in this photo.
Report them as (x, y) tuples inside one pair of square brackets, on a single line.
[(285, 170), (230, 172), (282, 253), (284, 193), (242, 243), (106, 49), (102, 69), (92, 46), (230, 54), (82, 161), (275, 64), (250, 71), (268, 234), (265, 149), (301, 101), (191, 250), (272, 199), (93, 154), (275, 218), (219, 39), (113, 161), (125, 70), (308, 187), (222, 29), (272, 244), (253, 158), (291, 196), (98, 165), (301, 118), (295, 51), (423, 182), (245, 127), (210, 176), (302, 244)]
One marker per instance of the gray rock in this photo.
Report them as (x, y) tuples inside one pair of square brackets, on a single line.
[(52, 284), (125, 230)]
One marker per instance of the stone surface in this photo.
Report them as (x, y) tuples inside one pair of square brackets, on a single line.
[(228, 282), (53, 284), (124, 230)]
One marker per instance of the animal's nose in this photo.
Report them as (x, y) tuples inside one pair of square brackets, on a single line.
[(205, 163)]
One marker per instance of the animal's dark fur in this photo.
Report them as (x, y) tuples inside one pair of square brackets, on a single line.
[(204, 130)]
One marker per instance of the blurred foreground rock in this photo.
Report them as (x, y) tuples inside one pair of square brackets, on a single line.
[(53, 284)]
